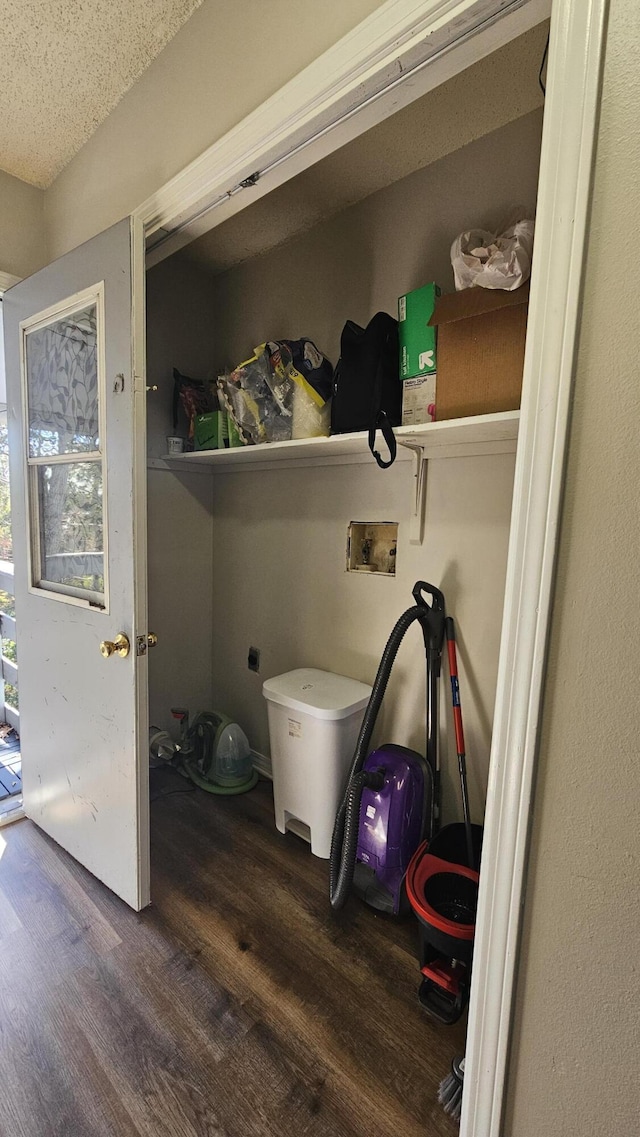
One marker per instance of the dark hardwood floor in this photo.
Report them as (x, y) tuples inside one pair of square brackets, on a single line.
[(238, 1005)]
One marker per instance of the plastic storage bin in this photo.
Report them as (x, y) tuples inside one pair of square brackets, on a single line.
[(314, 719)]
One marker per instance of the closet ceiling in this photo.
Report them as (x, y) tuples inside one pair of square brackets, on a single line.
[(63, 68), (499, 89)]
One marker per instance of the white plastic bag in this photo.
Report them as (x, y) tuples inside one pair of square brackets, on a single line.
[(490, 260)]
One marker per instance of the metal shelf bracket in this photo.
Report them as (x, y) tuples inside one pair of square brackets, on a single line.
[(419, 460)]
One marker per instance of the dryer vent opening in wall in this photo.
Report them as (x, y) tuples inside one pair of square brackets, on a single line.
[(371, 547)]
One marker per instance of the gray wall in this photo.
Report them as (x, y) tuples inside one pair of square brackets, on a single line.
[(575, 1050), (180, 533), (226, 60), (364, 258), (23, 247)]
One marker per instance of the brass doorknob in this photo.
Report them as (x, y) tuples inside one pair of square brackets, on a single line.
[(119, 646), (152, 639)]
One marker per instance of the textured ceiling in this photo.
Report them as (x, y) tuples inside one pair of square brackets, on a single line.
[(499, 89), (64, 64)]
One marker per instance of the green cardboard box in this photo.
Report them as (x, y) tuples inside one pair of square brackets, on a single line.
[(210, 431), (417, 339)]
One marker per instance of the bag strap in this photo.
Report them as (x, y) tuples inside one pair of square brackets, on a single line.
[(380, 420)]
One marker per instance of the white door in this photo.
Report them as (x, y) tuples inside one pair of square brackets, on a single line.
[(78, 475)]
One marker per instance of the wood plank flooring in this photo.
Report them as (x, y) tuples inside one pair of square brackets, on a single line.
[(238, 1005)]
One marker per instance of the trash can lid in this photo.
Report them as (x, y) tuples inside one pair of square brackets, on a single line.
[(318, 693)]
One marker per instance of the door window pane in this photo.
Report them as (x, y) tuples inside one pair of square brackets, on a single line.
[(62, 385), (70, 510)]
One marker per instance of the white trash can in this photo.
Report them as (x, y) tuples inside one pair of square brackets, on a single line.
[(314, 719)]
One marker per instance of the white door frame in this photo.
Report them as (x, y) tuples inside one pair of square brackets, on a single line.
[(8, 281), (403, 49)]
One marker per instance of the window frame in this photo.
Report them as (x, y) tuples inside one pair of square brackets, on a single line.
[(37, 584)]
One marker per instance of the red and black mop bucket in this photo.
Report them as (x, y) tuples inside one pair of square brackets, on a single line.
[(443, 893), (442, 886)]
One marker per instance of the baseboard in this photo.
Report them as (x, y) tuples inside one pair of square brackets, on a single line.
[(262, 765)]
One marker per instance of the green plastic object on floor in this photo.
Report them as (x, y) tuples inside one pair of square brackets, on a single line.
[(215, 753)]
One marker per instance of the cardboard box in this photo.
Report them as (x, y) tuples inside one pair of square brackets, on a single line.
[(210, 431), (418, 400), (481, 337), (417, 337)]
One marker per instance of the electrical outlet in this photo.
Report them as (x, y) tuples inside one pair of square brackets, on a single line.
[(253, 659)]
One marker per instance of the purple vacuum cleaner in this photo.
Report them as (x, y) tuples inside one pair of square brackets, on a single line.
[(390, 805)]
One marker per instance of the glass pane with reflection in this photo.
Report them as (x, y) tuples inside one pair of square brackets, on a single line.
[(70, 509), (62, 385)]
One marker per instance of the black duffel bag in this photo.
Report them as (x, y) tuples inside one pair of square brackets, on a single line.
[(367, 392)]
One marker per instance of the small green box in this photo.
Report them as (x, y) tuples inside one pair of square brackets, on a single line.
[(207, 431), (417, 339)]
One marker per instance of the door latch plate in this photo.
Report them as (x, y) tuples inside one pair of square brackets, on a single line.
[(143, 643)]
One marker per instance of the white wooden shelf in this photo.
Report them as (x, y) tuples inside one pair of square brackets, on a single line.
[(456, 438)]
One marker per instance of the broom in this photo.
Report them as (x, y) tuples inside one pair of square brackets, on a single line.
[(450, 1091)]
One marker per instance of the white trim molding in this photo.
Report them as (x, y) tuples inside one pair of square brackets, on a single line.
[(404, 49), (141, 608), (8, 281), (37, 584), (568, 145)]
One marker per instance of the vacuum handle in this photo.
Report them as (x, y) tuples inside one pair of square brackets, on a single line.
[(437, 597), (431, 620)]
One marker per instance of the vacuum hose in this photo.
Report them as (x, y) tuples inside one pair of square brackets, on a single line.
[(345, 831)]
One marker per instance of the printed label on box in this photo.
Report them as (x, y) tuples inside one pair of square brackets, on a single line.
[(427, 360), (419, 401), (295, 729)]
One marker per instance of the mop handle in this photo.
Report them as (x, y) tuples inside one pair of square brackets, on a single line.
[(457, 722), (455, 686)]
